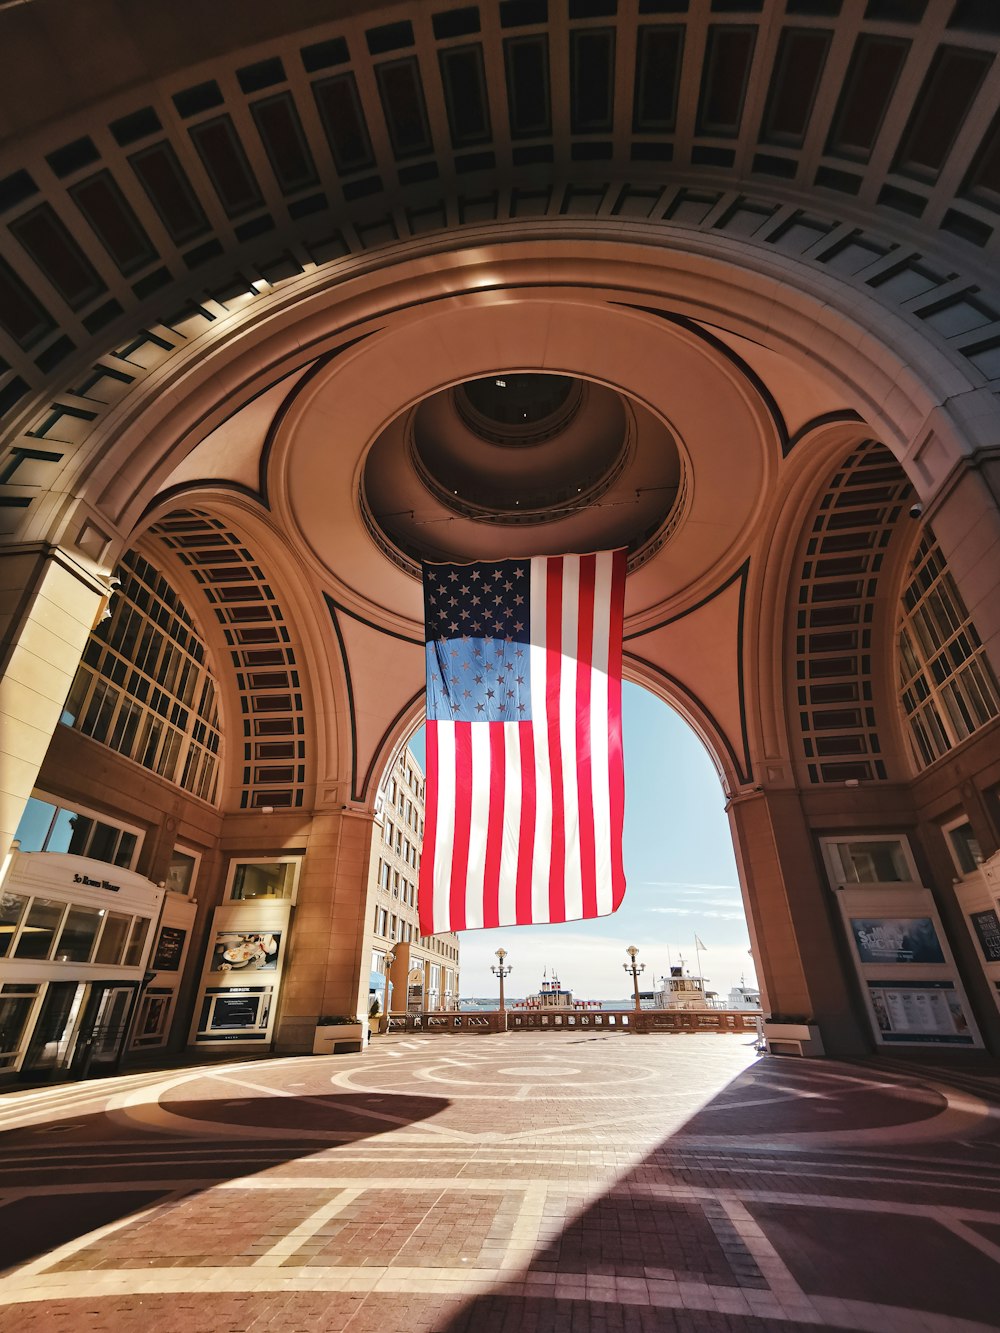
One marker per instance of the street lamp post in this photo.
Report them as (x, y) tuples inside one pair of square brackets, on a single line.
[(499, 970), (390, 958), (635, 968)]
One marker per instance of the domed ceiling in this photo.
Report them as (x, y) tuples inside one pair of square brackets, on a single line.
[(518, 464)]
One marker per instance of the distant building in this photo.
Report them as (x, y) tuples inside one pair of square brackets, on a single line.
[(424, 970)]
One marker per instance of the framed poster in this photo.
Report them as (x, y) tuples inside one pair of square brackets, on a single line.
[(250, 951), (911, 939), (987, 927), (151, 1024), (920, 1011)]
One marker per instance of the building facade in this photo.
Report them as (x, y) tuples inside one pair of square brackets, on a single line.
[(423, 970), (264, 286)]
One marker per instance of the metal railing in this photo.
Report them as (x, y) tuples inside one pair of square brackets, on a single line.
[(641, 1021)]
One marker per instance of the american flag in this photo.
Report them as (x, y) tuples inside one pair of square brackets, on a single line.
[(525, 785)]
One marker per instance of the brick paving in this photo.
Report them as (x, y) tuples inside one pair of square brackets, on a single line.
[(529, 1182)]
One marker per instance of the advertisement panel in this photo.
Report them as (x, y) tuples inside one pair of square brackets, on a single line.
[(237, 951), (235, 1013), (896, 940)]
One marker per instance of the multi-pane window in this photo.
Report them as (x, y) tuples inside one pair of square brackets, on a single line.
[(16, 1004), (947, 690), (143, 687), (181, 871), (49, 928), (263, 879), (965, 848), (871, 860), (46, 826)]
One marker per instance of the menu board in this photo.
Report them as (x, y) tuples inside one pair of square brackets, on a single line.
[(987, 927), (920, 1011), (896, 940), (169, 948)]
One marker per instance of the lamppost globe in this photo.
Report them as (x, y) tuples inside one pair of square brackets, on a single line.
[(635, 968)]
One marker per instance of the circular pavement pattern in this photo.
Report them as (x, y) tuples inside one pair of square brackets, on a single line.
[(465, 1184)]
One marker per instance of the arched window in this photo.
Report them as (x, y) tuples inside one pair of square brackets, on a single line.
[(946, 688), (143, 687)]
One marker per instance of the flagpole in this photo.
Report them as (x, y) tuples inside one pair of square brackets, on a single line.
[(697, 954)]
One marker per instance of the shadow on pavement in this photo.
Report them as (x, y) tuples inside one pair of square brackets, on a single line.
[(64, 1157), (839, 1219)]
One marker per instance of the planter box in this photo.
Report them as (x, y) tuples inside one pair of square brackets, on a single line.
[(793, 1038), (340, 1038)]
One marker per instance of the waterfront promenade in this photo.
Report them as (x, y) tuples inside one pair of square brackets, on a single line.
[(580, 1182)]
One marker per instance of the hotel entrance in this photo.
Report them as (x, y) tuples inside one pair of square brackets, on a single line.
[(80, 1029)]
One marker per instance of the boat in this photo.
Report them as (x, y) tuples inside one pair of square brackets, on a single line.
[(681, 990), (553, 995)]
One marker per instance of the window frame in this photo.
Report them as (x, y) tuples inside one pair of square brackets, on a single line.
[(97, 817), (250, 860), (836, 868)]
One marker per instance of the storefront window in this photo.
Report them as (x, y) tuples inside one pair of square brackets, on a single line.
[(264, 879), (78, 935), (12, 906), (140, 929), (113, 937), (39, 930), (16, 1003)]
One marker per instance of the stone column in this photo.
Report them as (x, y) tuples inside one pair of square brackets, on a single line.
[(800, 962), (48, 606), (332, 936)]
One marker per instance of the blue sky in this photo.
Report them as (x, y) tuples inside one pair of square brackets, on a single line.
[(679, 868)]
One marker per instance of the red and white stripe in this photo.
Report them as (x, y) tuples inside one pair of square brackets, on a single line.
[(523, 822)]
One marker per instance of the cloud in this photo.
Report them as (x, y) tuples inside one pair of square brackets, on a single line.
[(699, 912), (684, 884)]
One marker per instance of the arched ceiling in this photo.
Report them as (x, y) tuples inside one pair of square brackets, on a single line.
[(242, 245), (163, 165)]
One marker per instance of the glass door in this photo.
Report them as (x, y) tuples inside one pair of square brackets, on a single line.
[(54, 1038), (108, 1032)]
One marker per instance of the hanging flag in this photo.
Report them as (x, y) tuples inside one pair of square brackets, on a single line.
[(698, 944), (525, 786)]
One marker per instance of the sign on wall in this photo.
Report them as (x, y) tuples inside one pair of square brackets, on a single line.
[(987, 927), (169, 948), (236, 951), (921, 1011), (896, 940), (235, 1013)]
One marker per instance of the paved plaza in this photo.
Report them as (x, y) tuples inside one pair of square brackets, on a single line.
[(575, 1182)]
